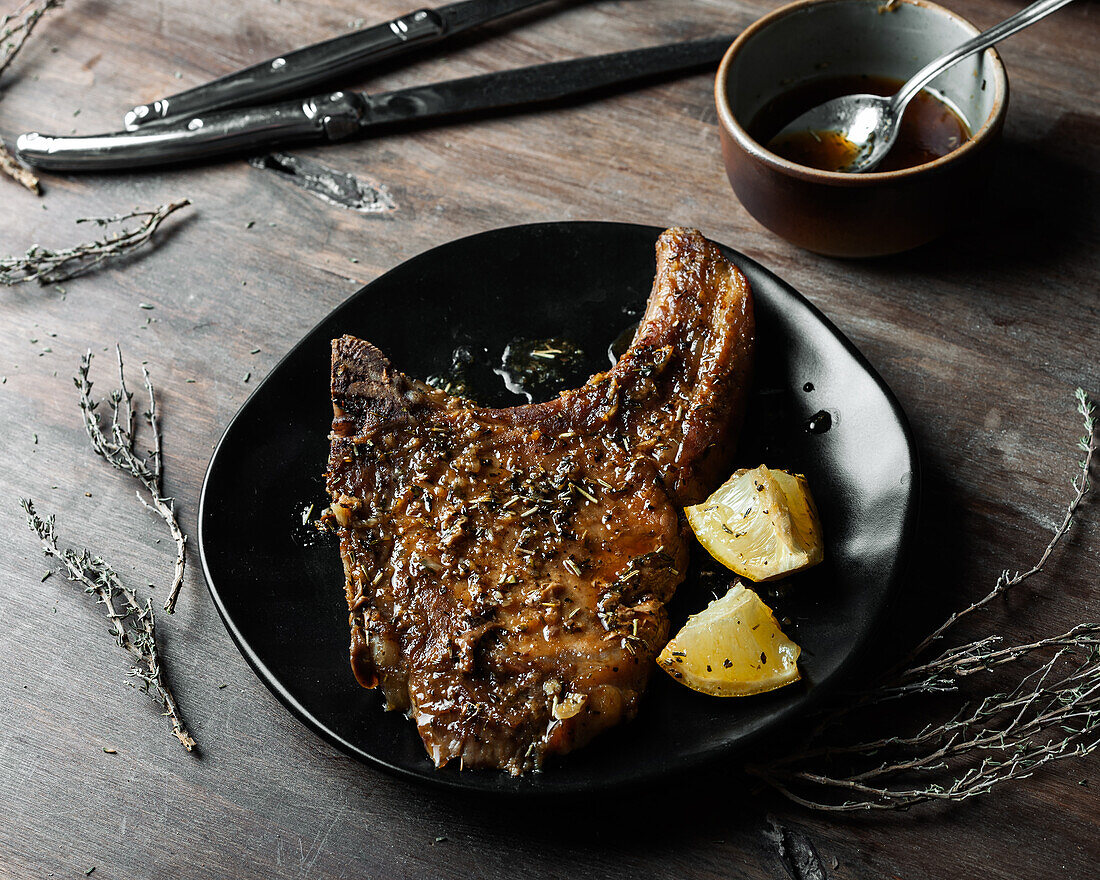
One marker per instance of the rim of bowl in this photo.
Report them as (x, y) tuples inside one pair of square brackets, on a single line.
[(751, 146)]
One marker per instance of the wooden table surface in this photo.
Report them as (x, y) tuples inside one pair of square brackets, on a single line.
[(983, 336)]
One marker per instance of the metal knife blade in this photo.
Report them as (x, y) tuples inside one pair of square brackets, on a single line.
[(312, 66), (340, 115)]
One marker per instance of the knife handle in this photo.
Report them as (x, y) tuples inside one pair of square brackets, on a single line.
[(297, 71), (329, 117)]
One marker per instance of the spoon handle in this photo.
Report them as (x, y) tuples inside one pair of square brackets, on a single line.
[(1022, 19)]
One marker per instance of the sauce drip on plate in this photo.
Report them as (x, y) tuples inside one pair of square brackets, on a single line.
[(929, 129)]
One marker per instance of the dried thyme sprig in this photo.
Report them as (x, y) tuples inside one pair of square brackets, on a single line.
[(1047, 714), (1050, 713), (15, 28), (132, 623), (116, 445), (49, 267)]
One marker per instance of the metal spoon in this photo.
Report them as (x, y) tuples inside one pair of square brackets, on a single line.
[(871, 122)]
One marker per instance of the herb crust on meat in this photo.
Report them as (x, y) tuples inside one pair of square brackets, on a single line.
[(507, 570)]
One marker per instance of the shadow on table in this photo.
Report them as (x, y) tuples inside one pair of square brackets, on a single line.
[(1038, 210)]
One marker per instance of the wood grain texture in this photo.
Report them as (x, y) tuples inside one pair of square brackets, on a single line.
[(982, 335)]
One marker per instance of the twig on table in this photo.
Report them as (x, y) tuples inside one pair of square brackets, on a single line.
[(132, 623), (10, 166), (49, 267), (1046, 714), (116, 445), (15, 28)]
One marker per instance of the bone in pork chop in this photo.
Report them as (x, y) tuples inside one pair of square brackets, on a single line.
[(507, 569)]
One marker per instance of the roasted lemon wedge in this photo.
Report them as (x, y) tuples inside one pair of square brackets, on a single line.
[(733, 648), (760, 523)]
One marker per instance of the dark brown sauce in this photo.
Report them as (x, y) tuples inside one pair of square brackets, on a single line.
[(929, 129), (540, 368)]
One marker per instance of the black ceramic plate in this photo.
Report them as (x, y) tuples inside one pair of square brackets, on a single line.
[(279, 585)]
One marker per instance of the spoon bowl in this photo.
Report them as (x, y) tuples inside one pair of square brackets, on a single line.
[(862, 122)]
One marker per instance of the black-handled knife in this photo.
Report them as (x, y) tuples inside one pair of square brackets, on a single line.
[(339, 115), (310, 67)]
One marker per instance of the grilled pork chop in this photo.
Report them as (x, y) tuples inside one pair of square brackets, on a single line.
[(507, 569)]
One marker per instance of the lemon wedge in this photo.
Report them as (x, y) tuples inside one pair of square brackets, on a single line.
[(760, 523), (733, 648)]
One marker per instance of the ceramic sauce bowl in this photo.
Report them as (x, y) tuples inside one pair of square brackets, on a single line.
[(856, 215)]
